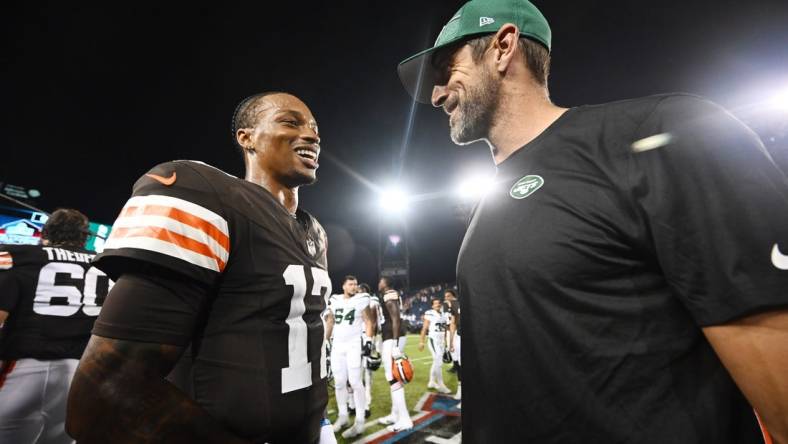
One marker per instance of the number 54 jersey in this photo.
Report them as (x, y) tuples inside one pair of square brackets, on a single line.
[(348, 317), (53, 296), (254, 326)]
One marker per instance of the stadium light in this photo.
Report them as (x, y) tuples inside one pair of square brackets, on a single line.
[(395, 239), (779, 101), (393, 200), (475, 187)]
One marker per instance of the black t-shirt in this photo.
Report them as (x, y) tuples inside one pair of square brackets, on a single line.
[(586, 275), (53, 296), (254, 320)]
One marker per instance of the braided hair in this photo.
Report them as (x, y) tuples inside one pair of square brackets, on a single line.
[(245, 114)]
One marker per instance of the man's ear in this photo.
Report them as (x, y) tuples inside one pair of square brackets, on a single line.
[(505, 46), (243, 136)]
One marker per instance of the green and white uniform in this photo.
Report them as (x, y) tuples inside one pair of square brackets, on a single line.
[(436, 340), (346, 348)]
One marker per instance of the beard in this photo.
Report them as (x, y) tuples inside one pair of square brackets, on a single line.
[(475, 114)]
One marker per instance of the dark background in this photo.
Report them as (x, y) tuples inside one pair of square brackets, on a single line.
[(94, 97)]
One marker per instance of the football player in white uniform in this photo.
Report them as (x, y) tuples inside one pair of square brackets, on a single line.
[(326, 428), (377, 341), (393, 344), (453, 310), (436, 322), (349, 318)]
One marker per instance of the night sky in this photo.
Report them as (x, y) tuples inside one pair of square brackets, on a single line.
[(94, 97)]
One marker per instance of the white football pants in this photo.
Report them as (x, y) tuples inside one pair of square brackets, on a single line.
[(437, 347), (456, 353), (346, 366), (399, 409), (33, 401), (386, 354)]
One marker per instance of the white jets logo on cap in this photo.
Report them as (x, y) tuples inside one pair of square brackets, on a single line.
[(778, 259), (486, 21)]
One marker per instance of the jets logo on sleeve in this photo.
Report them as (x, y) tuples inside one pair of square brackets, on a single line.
[(175, 227)]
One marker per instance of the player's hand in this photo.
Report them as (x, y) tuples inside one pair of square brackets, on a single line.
[(368, 347), (395, 352), (451, 348), (421, 345)]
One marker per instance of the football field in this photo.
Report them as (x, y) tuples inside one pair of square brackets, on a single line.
[(381, 399)]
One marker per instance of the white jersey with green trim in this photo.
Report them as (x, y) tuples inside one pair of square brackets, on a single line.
[(348, 316), (439, 322)]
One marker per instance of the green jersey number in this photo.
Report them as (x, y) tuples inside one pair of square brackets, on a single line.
[(349, 316)]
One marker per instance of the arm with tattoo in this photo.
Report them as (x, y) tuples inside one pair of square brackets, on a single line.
[(119, 395)]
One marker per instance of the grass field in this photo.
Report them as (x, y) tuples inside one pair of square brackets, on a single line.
[(381, 399)]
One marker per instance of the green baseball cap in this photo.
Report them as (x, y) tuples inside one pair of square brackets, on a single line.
[(476, 17)]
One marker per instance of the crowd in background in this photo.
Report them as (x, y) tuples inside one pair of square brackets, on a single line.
[(416, 302)]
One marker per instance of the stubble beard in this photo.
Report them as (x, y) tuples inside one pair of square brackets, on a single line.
[(476, 113)]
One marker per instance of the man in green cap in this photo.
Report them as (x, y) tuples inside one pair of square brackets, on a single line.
[(626, 280)]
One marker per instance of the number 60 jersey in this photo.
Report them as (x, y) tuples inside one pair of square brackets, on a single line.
[(53, 296), (254, 325)]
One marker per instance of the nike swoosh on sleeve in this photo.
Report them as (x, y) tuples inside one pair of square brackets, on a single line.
[(778, 259), (166, 181)]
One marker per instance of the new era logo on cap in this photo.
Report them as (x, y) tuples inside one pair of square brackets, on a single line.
[(486, 21)]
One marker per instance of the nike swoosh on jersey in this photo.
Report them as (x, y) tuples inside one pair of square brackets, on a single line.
[(166, 181), (779, 260)]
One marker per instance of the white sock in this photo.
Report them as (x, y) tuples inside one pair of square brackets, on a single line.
[(436, 374), (394, 412), (368, 386), (327, 433), (351, 398), (360, 398), (440, 374), (341, 392), (398, 402)]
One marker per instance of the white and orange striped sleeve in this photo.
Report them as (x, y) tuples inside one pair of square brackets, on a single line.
[(173, 228), (177, 226)]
